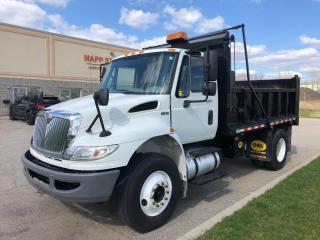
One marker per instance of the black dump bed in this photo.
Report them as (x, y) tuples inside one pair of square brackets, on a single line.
[(241, 111)]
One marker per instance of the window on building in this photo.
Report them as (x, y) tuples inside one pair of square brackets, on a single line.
[(69, 93), (65, 94), (197, 73), (19, 92), (75, 92), (87, 91)]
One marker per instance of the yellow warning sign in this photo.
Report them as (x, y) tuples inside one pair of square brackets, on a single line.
[(258, 146)]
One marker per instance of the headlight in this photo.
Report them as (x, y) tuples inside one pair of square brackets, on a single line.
[(89, 153)]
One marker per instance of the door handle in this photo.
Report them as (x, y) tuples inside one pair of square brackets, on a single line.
[(210, 117)]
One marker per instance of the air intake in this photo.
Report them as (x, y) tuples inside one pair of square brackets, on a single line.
[(144, 107)]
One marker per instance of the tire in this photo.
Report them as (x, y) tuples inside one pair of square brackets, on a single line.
[(279, 151), (150, 192), (11, 115), (30, 118)]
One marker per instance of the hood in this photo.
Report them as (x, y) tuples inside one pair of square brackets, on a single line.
[(119, 106)]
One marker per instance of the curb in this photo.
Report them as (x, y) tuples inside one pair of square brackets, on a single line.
[(207, 225)]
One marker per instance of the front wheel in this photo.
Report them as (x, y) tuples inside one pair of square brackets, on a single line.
[(30, 118), (149, 194)]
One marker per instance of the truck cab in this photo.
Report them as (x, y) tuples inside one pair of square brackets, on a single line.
[(175, 77), (161, 119)]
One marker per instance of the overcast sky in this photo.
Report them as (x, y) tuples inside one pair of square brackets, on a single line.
[(283, 35)]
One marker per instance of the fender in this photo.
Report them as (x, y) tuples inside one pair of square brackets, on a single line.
[(170, 146)]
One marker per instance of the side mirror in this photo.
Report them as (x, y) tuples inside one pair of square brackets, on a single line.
[(211, 90), (102, 97), (6, 101), (210, 72)]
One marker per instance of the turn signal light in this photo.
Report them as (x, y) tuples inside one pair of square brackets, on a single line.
[(177, 36)]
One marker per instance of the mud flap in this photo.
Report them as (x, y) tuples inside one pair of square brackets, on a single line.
[(259, 145)]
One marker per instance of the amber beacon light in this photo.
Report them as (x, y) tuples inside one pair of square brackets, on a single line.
[(178, 36)]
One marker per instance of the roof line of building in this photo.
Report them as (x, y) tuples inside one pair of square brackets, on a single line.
[(64, 36)]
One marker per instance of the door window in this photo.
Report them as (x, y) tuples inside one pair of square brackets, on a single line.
[(125, 78), (24, 100), (183, 87), (197, 73)]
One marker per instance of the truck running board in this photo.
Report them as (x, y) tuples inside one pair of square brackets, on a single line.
[(209, 177)]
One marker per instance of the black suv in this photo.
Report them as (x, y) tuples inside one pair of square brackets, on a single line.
[(26, 107)]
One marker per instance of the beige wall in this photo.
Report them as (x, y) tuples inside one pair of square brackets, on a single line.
[(23, 54), (32, 53), (71, 59)]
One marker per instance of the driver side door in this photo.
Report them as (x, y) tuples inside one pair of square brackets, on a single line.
[(198, 121)]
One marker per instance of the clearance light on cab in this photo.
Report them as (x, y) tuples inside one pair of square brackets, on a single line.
[(177, 37)]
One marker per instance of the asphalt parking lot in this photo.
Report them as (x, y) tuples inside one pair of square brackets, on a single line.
[(26, 213)]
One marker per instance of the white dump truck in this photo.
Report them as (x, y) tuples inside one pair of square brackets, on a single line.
[(163, 118)]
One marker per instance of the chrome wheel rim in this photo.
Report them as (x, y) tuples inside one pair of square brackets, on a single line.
[(155, 193), (281, 149)]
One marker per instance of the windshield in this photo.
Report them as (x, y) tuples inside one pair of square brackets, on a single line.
[(148, 73)]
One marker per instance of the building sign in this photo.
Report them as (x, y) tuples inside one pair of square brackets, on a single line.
[(96, 59), (93, 61)]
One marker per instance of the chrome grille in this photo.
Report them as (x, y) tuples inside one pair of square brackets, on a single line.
[(50, 135)]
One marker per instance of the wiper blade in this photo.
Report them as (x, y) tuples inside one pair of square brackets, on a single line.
[(125, 91), (119, 91), (122, 90)]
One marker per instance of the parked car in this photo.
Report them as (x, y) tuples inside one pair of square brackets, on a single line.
[(27, 107)]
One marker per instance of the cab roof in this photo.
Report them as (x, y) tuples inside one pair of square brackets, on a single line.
[(144, 51), (177, 42), (197, 42)]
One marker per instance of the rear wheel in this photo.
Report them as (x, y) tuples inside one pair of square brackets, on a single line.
[(279, 150), (149, 194)]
